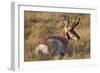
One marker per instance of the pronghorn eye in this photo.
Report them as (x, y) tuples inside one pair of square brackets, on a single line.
[(69, 28)]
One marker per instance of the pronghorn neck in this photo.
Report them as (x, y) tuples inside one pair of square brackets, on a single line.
[(63, 32)]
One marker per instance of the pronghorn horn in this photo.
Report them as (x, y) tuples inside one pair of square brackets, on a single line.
[(75, 23), (73, 35)]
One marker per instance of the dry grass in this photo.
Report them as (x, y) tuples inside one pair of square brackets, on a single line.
[(42, 24)]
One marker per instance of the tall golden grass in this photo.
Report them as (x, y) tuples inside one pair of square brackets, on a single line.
[(43, 24)]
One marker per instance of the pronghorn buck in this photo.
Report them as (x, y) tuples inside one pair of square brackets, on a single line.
[(56, 45)]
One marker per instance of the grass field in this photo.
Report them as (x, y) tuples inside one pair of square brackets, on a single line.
[(43, 24)]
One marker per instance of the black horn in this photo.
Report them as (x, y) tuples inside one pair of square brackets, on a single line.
[(75, 23)]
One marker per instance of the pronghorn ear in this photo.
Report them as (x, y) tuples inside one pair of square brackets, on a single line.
[(75, 23), (65, 28), (73, 35)]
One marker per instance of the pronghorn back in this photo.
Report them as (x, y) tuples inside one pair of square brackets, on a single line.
[(61, 39)]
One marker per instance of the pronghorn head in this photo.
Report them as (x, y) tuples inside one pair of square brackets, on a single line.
[(69, 30)]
